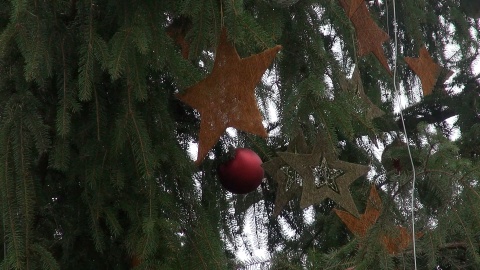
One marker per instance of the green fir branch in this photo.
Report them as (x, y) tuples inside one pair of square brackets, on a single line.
[(137, 77), (60, 158), (96, 231), (94, 48), (13, 236), (113, 223), (6, 39), (46, 257), (120, 49), (140, 141)]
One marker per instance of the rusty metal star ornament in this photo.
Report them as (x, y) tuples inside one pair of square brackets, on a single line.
[(394, 242), (398, 241), (359, 226), (370, 37), (288, 180), (313, 193), (226, 98), (354, 6), (427, 69)]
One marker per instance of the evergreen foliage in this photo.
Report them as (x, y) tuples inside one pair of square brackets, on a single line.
[(95, 169)]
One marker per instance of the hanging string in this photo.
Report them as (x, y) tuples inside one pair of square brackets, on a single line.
[(395, 30), (222, 22), (4, 239)]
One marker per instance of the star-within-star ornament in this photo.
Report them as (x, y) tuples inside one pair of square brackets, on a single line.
[(226, 98), (288, 180), (370, 37), (303, 164), (326, 176), (428, 71)]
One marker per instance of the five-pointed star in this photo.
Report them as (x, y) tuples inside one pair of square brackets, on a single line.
[(226, 98), (303, 163), (288, 180), (426, 69), (370, 36), (394, 243), (359, 226), (325, 175)]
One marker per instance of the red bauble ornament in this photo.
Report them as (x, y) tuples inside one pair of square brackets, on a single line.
[(243, 173)]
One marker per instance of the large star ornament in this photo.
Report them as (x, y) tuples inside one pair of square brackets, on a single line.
[(428, 71), (370, 36), (333, 183), (288, 180), (226, 98)]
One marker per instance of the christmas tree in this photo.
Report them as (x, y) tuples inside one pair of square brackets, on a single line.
[(119, 120)]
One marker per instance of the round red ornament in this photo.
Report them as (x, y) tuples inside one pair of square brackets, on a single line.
[(243, 173)]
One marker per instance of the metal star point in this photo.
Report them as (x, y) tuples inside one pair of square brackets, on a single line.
[(354, 6), (427, 69), (288, 180)]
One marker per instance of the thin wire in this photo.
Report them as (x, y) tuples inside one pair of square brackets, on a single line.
[(4, 238), (222, 22), (405, 132)]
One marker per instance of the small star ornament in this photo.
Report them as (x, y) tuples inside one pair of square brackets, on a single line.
[(288, 180), (325, 176), (400, 240), (359, 226), (226, 98), (428, 71), (393, 243), (370, 36)]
